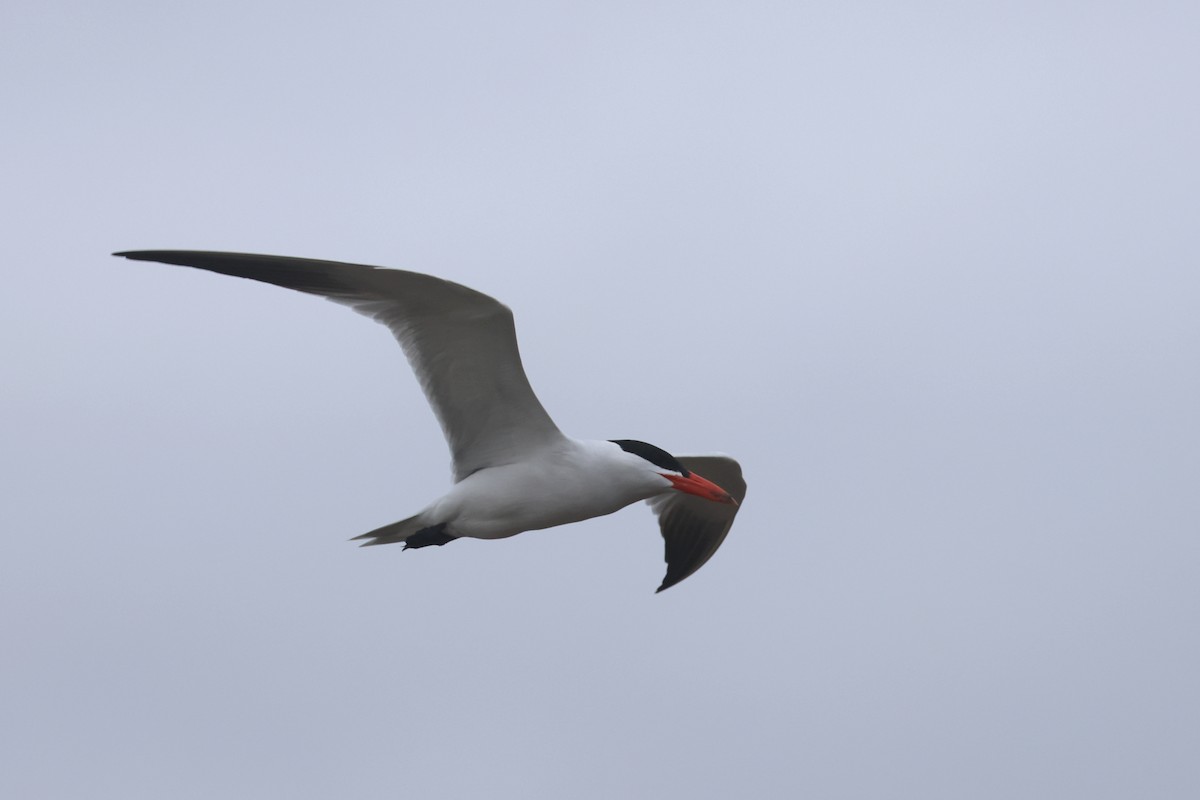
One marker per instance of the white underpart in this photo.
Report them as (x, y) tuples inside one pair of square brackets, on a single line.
[(569, 482)]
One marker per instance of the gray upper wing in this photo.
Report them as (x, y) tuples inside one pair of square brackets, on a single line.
[(461, 344)]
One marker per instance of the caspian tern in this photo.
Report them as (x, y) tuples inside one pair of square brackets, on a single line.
[(514, 470)]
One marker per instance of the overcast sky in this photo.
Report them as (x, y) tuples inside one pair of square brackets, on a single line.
[(929, 270)]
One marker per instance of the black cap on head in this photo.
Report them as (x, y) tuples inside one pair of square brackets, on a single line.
[(655, 455)]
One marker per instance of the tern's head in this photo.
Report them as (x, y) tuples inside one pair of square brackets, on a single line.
[(666, 465)]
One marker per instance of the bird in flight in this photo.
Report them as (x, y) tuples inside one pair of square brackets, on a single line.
[(514, 470)]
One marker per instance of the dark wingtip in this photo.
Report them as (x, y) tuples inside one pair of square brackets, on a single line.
[(182, 258), (314, 276), (161, 256)]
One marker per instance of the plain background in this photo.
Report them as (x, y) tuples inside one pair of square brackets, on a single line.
[(929, 270)]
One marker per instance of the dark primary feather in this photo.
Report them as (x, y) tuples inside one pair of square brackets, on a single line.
[(303, 275), (692, 527)]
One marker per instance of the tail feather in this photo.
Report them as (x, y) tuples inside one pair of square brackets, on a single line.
[(391, 534)]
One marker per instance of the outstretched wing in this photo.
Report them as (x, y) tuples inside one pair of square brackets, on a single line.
[(461, 343), (692, 527)]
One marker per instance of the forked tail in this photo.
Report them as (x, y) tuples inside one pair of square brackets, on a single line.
[(410, 531), (391, 534)]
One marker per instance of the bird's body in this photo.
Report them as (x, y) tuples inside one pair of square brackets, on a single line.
[(556, 487), (577, 480), (514, 470)]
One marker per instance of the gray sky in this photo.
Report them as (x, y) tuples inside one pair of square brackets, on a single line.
[(929, 270)]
